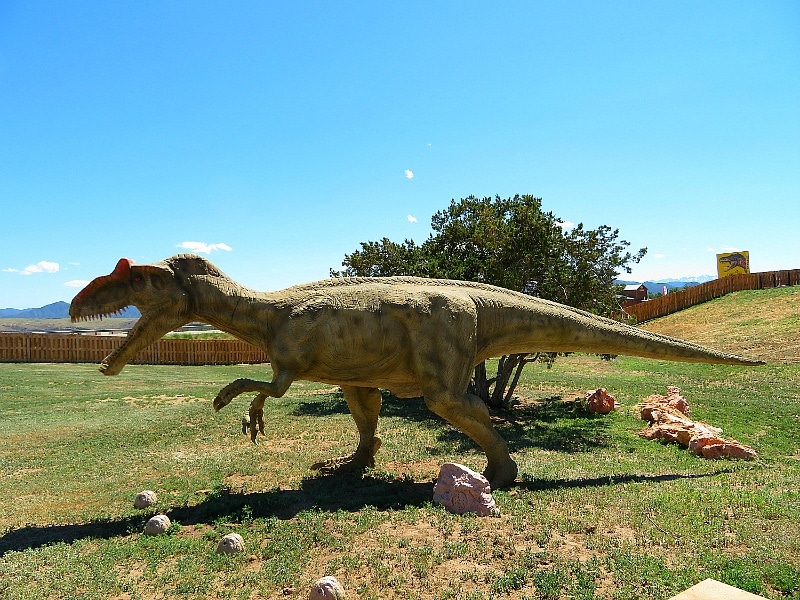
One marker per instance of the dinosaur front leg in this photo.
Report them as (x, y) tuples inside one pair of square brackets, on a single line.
[(274, 389), (254, 420), (364, 405)]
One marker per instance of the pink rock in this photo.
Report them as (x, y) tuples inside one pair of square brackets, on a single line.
[(672, 401), (461, 490), (600, 401)]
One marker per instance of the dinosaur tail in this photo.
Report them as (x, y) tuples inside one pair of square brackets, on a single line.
[(606, 336), (550, 327)]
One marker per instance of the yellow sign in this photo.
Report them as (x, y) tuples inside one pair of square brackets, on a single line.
[(733, 263)]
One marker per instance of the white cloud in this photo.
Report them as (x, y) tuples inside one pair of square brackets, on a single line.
[(565, 224), (411, 219), (409, 174), (725, 248), (10, 270), (43, 266), (203, 247), (659, 255), (77, 283)]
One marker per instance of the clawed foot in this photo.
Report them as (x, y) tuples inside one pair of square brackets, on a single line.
[(253, 422), (501, 475), (253, 419), (358, 461)]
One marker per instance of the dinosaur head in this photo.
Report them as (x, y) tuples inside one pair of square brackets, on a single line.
[(160, 291)]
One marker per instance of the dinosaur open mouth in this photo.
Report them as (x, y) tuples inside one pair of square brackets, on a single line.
[(134, 334), (98, 316), (139, 327), (109, 360)]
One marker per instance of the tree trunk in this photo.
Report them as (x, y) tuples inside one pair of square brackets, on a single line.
[(479, 384), (499, 396)]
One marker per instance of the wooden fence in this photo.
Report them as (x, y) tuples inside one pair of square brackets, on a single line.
[(63, 348), (675, 301)]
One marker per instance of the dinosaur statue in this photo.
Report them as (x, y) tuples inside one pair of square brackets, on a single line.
[(412, 336)]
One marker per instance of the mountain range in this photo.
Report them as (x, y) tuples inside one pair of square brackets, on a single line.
[(655, 287), (56, 310)]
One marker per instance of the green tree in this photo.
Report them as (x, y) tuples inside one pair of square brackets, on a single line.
[(384, 259), (512, 243)]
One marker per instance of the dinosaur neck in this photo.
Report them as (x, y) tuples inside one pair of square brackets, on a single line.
[(235, 309)]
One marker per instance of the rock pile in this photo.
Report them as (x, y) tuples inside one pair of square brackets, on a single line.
[(669, 421)]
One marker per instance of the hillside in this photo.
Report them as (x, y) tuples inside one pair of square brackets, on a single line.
[(758, 323), (29, 325)]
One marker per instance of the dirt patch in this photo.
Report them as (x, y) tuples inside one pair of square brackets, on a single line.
[(194, 532), (160, 400), (23, 472), (424, 470)]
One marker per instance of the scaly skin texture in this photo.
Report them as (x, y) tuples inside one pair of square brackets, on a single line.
[(411, 336)]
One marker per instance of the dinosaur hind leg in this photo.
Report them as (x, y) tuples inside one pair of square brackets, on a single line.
[(470, 416), (364, 405)]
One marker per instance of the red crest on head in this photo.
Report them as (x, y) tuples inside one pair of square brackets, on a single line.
[(123, 266), (121, 271)]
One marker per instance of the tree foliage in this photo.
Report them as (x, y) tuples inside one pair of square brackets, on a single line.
[(512, 243)]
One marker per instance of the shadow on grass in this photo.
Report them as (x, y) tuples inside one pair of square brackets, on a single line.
[(540, 485), (349, 492), (550, 424), (331, 493)]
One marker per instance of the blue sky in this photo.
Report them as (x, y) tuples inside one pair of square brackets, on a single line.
[(275, 136)]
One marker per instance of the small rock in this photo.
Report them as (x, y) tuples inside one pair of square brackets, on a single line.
[(156, 525), (145, 499), (461, 490), (327, 588), (600, 401), (230, 544)]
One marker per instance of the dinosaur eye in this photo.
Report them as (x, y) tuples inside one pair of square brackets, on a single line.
[(137, 278)]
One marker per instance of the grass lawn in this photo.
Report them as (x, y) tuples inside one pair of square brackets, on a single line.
[(597, 513)]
